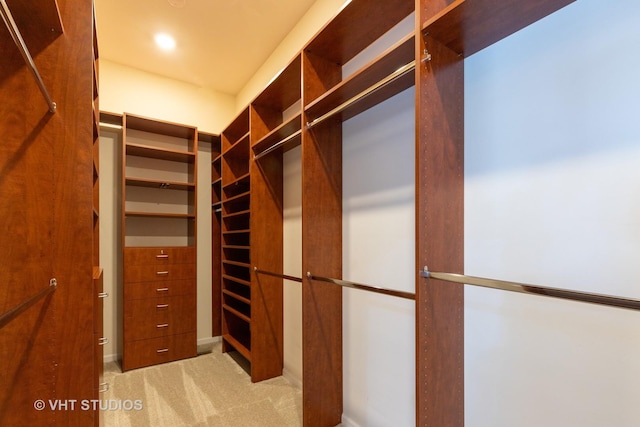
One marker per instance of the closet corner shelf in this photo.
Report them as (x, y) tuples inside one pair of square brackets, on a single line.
[(390, 61), (468, 26), (160, 153), (244, 139), (237, 313)]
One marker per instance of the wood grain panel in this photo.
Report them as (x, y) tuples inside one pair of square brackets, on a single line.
[(322, 255), (440, 236), (159, 350), (266, 253)]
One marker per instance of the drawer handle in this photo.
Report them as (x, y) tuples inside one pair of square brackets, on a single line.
[(103, 341), (103, 294), (163, 256), (162, 273), (103, 388), (162, 290), (162, 305), (162, 325), (162, 350)]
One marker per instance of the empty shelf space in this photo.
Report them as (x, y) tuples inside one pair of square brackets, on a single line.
[(468, 26), (356, 27), (237, 313), (237, 280), (282, 133), (236, 296), (241, 348), (390, 65)]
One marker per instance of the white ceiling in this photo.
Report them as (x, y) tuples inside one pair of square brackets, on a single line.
[(220, 43)]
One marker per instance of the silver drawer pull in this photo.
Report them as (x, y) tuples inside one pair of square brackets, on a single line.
[(103, 341), (162, 306), (162, 350), (164, 256), (103, 388), (162, 290), (103, 294), (162, 325), (162, 273)]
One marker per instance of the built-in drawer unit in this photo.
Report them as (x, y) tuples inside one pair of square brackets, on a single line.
[(159, 305)]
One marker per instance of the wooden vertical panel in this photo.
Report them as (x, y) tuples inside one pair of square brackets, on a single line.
[(266, 253), (73, 212), (322, 255), (46, 179), (440, 236)]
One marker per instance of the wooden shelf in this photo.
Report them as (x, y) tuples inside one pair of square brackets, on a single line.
[(237, 280), (244, 351), (284, 89), (160, 127), (167, 185), (236, 313), (159, 215), (280, 133), (236, 296), (243, 179), (356, 27), (468, 26), (236, 197), (237, 264), (160, 153), (397, 56)]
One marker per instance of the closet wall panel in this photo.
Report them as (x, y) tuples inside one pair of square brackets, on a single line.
[(46, 176)]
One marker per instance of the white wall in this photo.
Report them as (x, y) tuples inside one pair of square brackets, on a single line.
[(378, 249), (126, 89), (552, 177)]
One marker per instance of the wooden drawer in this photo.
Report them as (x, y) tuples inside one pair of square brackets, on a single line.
[(167, 288), (158, 317), (158, 350), (159, 256), (158, 273)]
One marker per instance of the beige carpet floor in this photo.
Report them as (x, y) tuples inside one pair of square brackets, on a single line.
[(208, 390)]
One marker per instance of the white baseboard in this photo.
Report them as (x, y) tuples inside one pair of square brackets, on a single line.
[(294, 380), (348, 422), (111, 358)]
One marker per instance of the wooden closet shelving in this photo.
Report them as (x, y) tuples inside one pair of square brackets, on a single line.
[(159, 201), (235, 187), (384, 65), (216, 228), (448, 34)]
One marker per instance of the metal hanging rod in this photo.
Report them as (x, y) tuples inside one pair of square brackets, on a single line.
[(277, 145), (504, 285), (353, 285), (283, 276), (24, 50), (391, 77), (110, 125), (16, 311)]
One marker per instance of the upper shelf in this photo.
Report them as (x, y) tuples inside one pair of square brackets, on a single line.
[(160, 153), (362, 87), (159, 127), (356, 26), (468, 26), (284, 90)]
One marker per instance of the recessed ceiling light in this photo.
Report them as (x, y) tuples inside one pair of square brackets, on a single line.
[(165, 41)]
